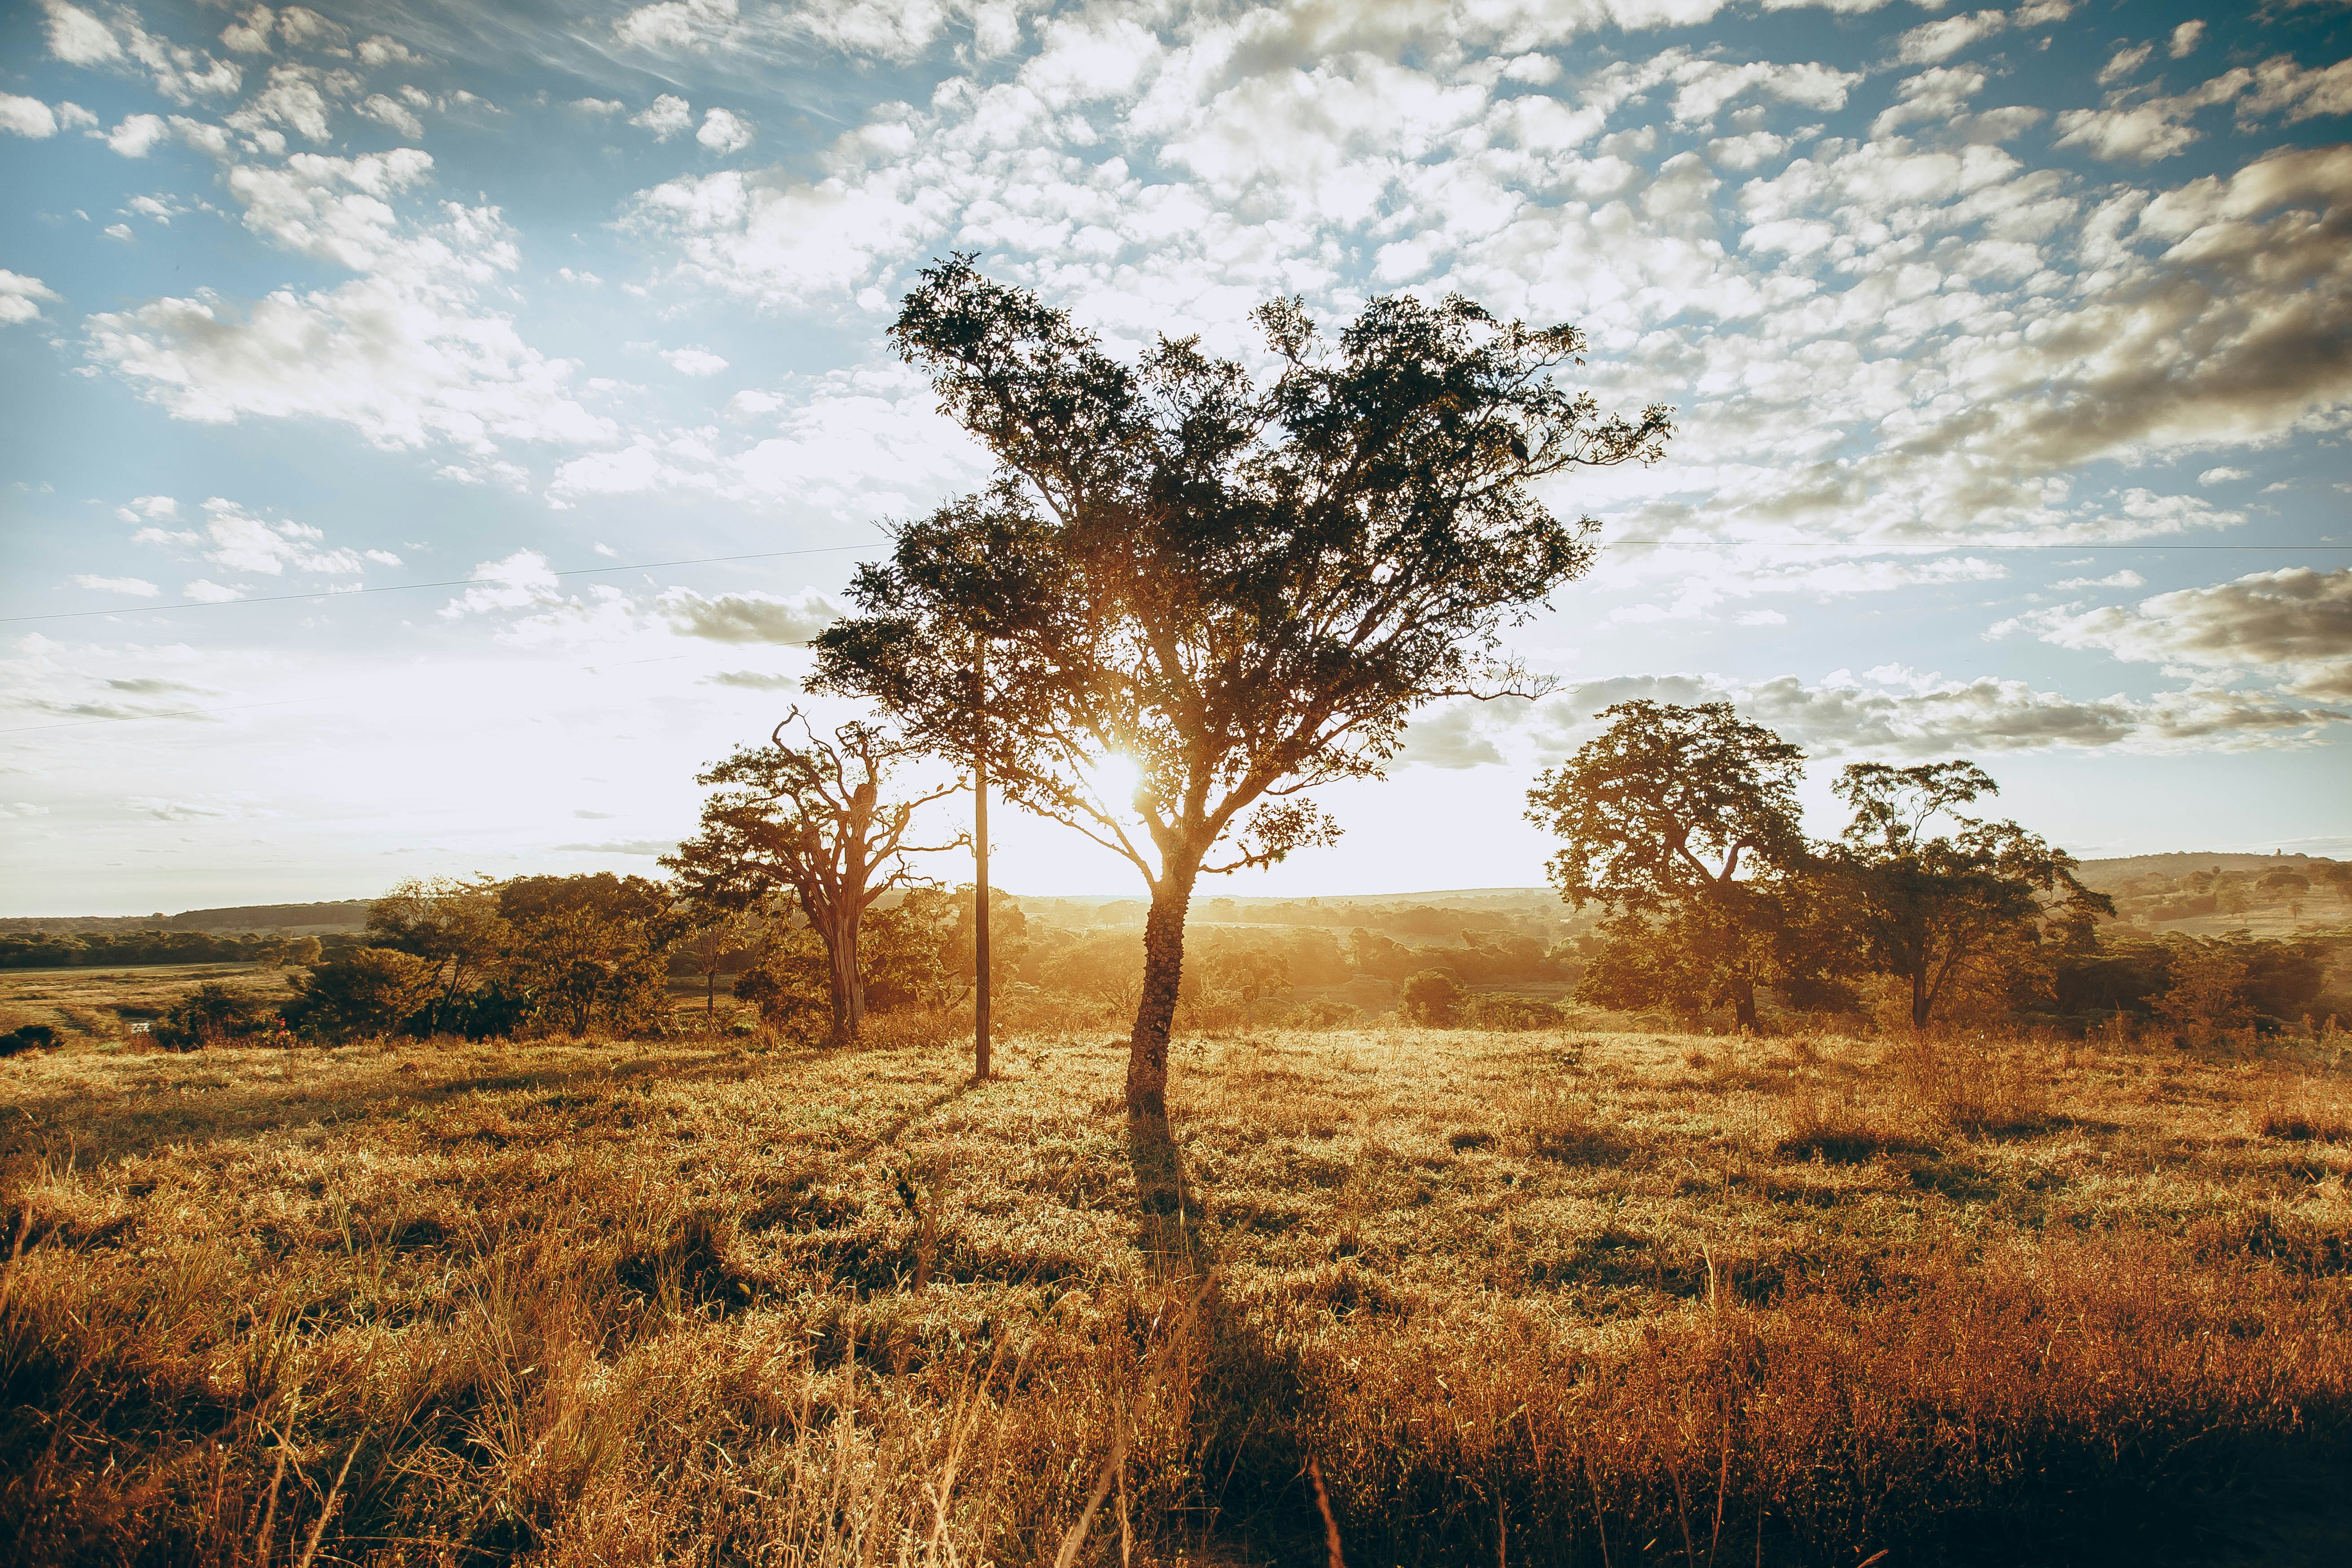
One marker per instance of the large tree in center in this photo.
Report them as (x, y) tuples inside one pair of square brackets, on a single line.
[(1221, 590)]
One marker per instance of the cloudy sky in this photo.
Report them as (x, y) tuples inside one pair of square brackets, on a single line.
[(379, 380)]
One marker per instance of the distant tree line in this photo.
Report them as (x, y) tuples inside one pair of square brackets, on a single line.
[(61, 949), (1682, 824)]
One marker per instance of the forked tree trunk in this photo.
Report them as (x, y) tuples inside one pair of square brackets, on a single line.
[(1163, 971)]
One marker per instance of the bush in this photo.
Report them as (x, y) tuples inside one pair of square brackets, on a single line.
[(213, 1014), (30, 1038), (1512, 1014), (1325, 1013), (1431, 998), (373, 990)]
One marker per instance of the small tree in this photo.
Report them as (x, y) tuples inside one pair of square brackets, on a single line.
[(1431, 998), (368, 991), (212, 1015), (716, 936), (809, 819), (1680, 821), (1241, 590), (453, 924), (1934, 907), (2206, 995), (591, 951)]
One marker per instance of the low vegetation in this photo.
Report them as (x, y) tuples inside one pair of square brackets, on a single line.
[(1548, 1296)]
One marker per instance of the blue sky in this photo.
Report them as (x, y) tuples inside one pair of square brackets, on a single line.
[(2013, 351)]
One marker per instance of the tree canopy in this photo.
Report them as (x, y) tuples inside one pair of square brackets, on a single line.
[(1929, 906), (1241, 588), (807, 818), (1684, 822)]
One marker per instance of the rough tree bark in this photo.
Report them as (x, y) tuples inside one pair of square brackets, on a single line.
[(1163, 976)]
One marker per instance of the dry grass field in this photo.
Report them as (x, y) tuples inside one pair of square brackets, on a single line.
[(1615, 1299)]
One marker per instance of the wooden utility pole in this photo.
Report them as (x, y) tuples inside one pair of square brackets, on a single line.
[(979, 870)]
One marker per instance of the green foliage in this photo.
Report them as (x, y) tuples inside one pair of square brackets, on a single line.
[(371, 991), (453, 925), (1940, 908), (1683, 823), (917, 953), (1244, 590), (1431, 999), (214, 1015), (789, 982), (808, 821), (591, 951)]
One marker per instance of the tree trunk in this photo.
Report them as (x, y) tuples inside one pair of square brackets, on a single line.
[(848, 991), (1743, 1002), (1921, 1000), (1155, 1014)]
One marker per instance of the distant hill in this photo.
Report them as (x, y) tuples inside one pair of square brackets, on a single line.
[(2180, 863), (299, 920)]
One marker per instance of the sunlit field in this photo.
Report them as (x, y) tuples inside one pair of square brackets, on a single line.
[(1555, 1297)]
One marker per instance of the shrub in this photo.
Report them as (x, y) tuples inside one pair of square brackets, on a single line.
[(1325, 1013), (1432, 997), (213, 1014), (1512, 1014), (29, 1038), (371, 991)]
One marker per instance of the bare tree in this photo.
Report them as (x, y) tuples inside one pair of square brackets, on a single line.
[(810, 819), (1242, 590)]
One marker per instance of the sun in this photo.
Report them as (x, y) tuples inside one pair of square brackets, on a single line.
[(1114, 779)]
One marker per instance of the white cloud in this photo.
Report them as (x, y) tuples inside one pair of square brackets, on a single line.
[(603, 108), (401, 354), (522, 580), (21, 297), (390, 111), (27, 117), (674, 24), (694, 362), (1940, 40), (137, 587), (748, 617), (2293, 626), (724, 133), (78, 38), (250, 33), (138, 134), (379, 51), (2126, 578), (204, 591), (1903, 714), (2155, 129), (180, 74), (237, 541), (2185, 40), (667, 116), (2222, 476), (2123, 63)]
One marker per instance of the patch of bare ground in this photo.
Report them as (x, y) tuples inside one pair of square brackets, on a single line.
[(1588, 1298)]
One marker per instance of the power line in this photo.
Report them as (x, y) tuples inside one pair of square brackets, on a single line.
[(411, 587), (1852, 547)]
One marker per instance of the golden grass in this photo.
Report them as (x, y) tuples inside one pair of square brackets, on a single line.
[(1600, 1298)]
